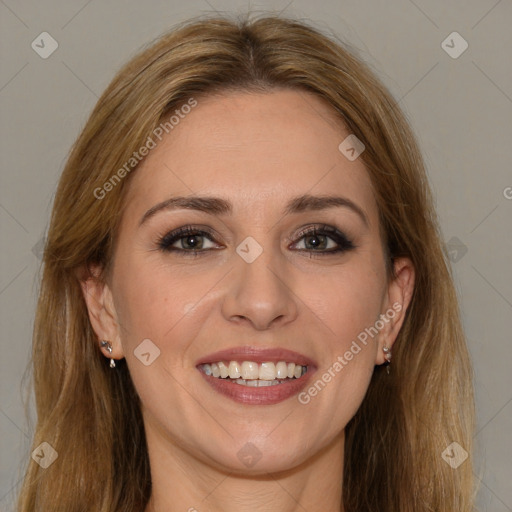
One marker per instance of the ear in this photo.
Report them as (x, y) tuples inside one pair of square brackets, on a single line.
[(102, 313), (397, 299)]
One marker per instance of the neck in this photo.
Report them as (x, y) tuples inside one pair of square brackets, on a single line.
[(182, 482)]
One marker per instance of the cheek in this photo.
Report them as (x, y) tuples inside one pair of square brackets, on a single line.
[(157, 303), (152, 300), (345, 312), (347, 305), (348, 301)]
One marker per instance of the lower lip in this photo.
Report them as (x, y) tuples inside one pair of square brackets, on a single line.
[(266, 395)]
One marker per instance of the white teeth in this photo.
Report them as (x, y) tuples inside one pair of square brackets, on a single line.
[(249, 370), (257, 383), (267, 371), (250, 373), (215, 370), (234, 370), (224, 371), (281, 370)]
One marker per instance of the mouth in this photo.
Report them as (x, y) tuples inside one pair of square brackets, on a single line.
[(256, 376), (252, 374)]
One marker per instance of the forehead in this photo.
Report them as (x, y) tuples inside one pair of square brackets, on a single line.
[(255, 149)]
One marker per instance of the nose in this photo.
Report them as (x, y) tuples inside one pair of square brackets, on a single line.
[(260, 293)]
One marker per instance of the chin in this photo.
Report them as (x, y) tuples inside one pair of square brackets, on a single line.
[(256, 456)]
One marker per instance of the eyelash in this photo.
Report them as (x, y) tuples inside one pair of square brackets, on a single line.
[(165, 242)]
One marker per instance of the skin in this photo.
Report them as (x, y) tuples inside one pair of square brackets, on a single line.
[(258, 151)]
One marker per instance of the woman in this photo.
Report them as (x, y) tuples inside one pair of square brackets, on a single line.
[(245, 302)]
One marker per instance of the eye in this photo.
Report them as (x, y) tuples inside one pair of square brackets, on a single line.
[(186, 239), (324, 240)]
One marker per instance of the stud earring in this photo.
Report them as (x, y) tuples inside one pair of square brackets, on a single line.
[(387, 356), (107, 344)]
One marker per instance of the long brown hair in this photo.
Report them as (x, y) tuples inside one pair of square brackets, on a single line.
[(91, 415)]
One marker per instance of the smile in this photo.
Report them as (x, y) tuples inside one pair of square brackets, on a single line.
[(252, 374), (255, 375)]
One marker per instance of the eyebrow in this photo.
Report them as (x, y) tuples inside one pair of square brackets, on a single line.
[(220, 206)]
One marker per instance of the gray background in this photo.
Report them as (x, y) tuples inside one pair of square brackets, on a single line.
[(460, 108)]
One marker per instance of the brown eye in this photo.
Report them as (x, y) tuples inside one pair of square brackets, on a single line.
[(186, 240), (324, 240)]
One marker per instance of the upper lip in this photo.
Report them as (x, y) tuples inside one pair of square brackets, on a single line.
[(258, 355)]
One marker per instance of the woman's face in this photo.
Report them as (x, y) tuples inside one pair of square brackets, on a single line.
[(251, 283)]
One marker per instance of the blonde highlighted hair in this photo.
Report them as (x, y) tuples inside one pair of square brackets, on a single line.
[(91, 415)]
